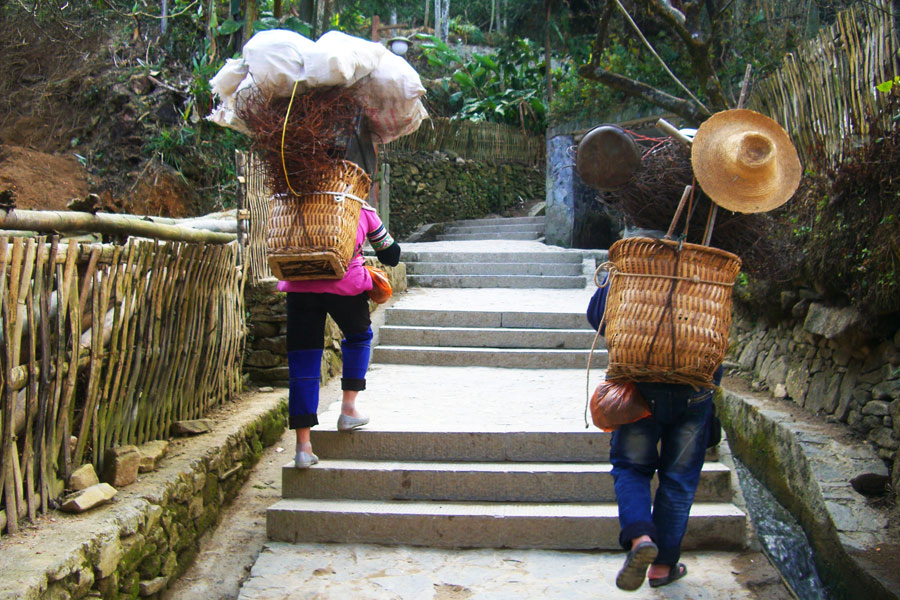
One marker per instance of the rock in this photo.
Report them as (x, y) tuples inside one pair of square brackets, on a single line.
[(192, 427), (152, 586), (748, 355), (83, 477), (88, 498), (151, 454), (780, 391), (823, 393), (120, 465), (797, 382), (266, 389), (895, 416), (883, 437), (833, 323), (887, 390), (878, 408), (107, 560)]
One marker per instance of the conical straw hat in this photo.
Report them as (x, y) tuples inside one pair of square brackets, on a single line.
[(745, 161)]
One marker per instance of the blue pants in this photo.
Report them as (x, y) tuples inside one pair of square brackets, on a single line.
[(679, 427), (306, 314)]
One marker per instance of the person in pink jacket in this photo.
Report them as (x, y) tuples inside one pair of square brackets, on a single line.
[(346, 300)]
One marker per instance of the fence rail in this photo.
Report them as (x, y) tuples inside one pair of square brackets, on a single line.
[(106, 345), (473, 140), (824, 95)]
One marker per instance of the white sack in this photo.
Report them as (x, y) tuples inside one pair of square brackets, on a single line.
[(391, 98), (225, 84), (276, 58)]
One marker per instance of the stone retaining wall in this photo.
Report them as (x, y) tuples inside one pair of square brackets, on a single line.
[(266, 359), (439, 187), (818, 359), (150, 533)]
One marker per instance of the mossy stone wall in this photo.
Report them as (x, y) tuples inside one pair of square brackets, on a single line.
[(439, 187)]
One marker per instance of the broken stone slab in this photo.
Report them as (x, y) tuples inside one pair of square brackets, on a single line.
[(152, 586), (88, 498), (83, 477), (151, 453), (120, 465), (192, 427)]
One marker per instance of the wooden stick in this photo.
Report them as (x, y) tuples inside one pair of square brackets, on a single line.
[(59, 221), (671, 130), (681, 203)]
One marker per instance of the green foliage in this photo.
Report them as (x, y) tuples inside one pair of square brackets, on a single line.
[(506, 86)]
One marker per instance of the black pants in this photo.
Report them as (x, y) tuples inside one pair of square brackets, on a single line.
[(306, 317)]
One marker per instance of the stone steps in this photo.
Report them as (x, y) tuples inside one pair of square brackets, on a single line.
[(517, 228), (558, 525), (494, 268), (491, 281)]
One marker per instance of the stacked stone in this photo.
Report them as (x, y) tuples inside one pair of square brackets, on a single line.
[(820, 359), (441, 186)]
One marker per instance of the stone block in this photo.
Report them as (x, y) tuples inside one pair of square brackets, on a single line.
[(192, 427), (822, 394), (883, 437), (108, 556), (877, 408), (88, 498), (833, 323), (797, 383), (153, 586), (895, 416), (888, 391), (83, 477), (151, 453), (120, 465)]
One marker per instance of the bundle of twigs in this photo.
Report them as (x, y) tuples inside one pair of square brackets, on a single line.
[(650, 200), (319, 126)]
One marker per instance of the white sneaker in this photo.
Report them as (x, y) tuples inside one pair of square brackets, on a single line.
[(304, 460), (347, 423)]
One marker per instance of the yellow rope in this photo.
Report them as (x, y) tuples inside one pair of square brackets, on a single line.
[(283, 133)]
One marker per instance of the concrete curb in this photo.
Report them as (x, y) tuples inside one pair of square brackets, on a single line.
[(150, 533), (809, 470)]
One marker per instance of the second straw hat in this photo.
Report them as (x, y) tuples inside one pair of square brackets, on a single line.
[(745, 161)]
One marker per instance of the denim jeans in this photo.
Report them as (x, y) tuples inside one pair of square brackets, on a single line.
[(671, 443)]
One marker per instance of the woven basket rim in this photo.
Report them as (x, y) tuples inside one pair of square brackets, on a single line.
[(674, 245)]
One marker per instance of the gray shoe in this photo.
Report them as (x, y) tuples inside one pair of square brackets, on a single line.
[(304, 460), (346, 423)]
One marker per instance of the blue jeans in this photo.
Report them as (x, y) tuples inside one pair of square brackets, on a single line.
[(680, 421)]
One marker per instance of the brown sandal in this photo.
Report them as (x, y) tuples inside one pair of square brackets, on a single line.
[(675, 573)]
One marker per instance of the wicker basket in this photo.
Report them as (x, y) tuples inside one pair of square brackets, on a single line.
[(313, 236), (668, 311)]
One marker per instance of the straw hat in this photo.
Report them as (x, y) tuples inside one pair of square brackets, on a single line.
[(607, 157), (745, 162)]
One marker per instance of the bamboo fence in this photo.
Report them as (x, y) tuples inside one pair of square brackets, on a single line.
[(824, 95), (256, 198), (472, 140), (107, 345)]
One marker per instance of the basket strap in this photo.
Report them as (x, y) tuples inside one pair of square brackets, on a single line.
[(613, 271)]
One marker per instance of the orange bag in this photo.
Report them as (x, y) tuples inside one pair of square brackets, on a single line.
[(381, 285), (617, 403)]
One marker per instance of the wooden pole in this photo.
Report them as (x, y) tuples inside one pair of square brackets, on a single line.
[(60, 221)]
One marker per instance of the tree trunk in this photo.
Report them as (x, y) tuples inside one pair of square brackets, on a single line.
[(427, 5), (547, 66), (445, 20)]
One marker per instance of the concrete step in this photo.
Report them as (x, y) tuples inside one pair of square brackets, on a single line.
[(497, 281), (490, 235), (471, 318), (517, 358), (492, 268), (473, 482), (550, 256), (475, 337), (496, 228), (487, 445), (493, 220), (713, 526)]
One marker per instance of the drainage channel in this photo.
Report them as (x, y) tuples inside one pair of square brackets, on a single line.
[(782, 538)]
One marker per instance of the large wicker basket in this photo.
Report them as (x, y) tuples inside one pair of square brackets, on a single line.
[(313, 236), (668, 310)]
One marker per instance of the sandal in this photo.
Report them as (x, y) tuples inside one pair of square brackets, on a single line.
[(675, 573), (634, 570)]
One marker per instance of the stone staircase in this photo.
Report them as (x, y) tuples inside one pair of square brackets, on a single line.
[(513, 228), (477, 436), (450, 269)]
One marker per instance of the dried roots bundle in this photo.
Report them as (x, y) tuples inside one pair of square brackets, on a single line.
[(320, 124), (651, 199)]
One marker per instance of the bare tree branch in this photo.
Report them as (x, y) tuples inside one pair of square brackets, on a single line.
[(686, 109)]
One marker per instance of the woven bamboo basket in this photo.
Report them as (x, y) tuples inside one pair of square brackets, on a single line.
[(668, 310), (313, 236)]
